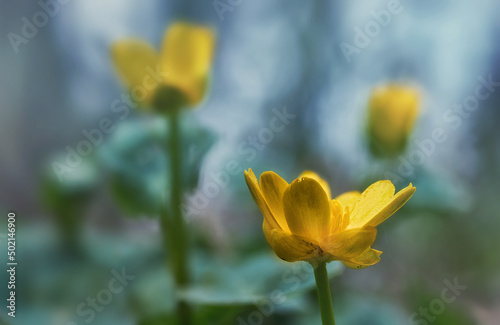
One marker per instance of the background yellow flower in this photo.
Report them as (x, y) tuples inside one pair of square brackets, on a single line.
[(392, 111), (183, 63)]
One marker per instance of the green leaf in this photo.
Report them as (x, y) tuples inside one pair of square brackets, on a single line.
[(67, 198), (158, 320), (154, 294), (74, 189), (262, 277), (218, 315), (136, 156)]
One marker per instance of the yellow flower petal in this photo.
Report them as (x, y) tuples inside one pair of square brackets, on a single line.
[(346, 219), (348, 199), (369, 257), (273, 187), (186, 58), (336, 216), (253, 186), (132, 59), (307, 209), (290, 247), (377, 203), (320, 180), (267, 230), (349, 244)]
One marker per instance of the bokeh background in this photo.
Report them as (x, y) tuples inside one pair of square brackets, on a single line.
[(271, 56)]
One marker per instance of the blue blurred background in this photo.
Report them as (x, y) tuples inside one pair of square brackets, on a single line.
[(316, 61)]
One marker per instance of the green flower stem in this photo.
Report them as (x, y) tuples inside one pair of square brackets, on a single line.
[(172, 222), (324, 295)]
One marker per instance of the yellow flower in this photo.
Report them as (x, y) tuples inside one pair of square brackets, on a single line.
[(391, 115), (303, 223), (183, 63)]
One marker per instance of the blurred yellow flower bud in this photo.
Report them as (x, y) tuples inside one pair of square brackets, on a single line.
[(181, 69), (392, 111), (303, 223)]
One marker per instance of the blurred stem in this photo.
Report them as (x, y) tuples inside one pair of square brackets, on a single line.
[(177, 221), (324, 295), (178, 241)]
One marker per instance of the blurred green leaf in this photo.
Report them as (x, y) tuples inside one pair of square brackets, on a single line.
[(217, 315), (355, 309), (67, 198), (158, 320), (136, 156), (257, 278), (72, 189), (154, 294), (222, 290), (116, 251)]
